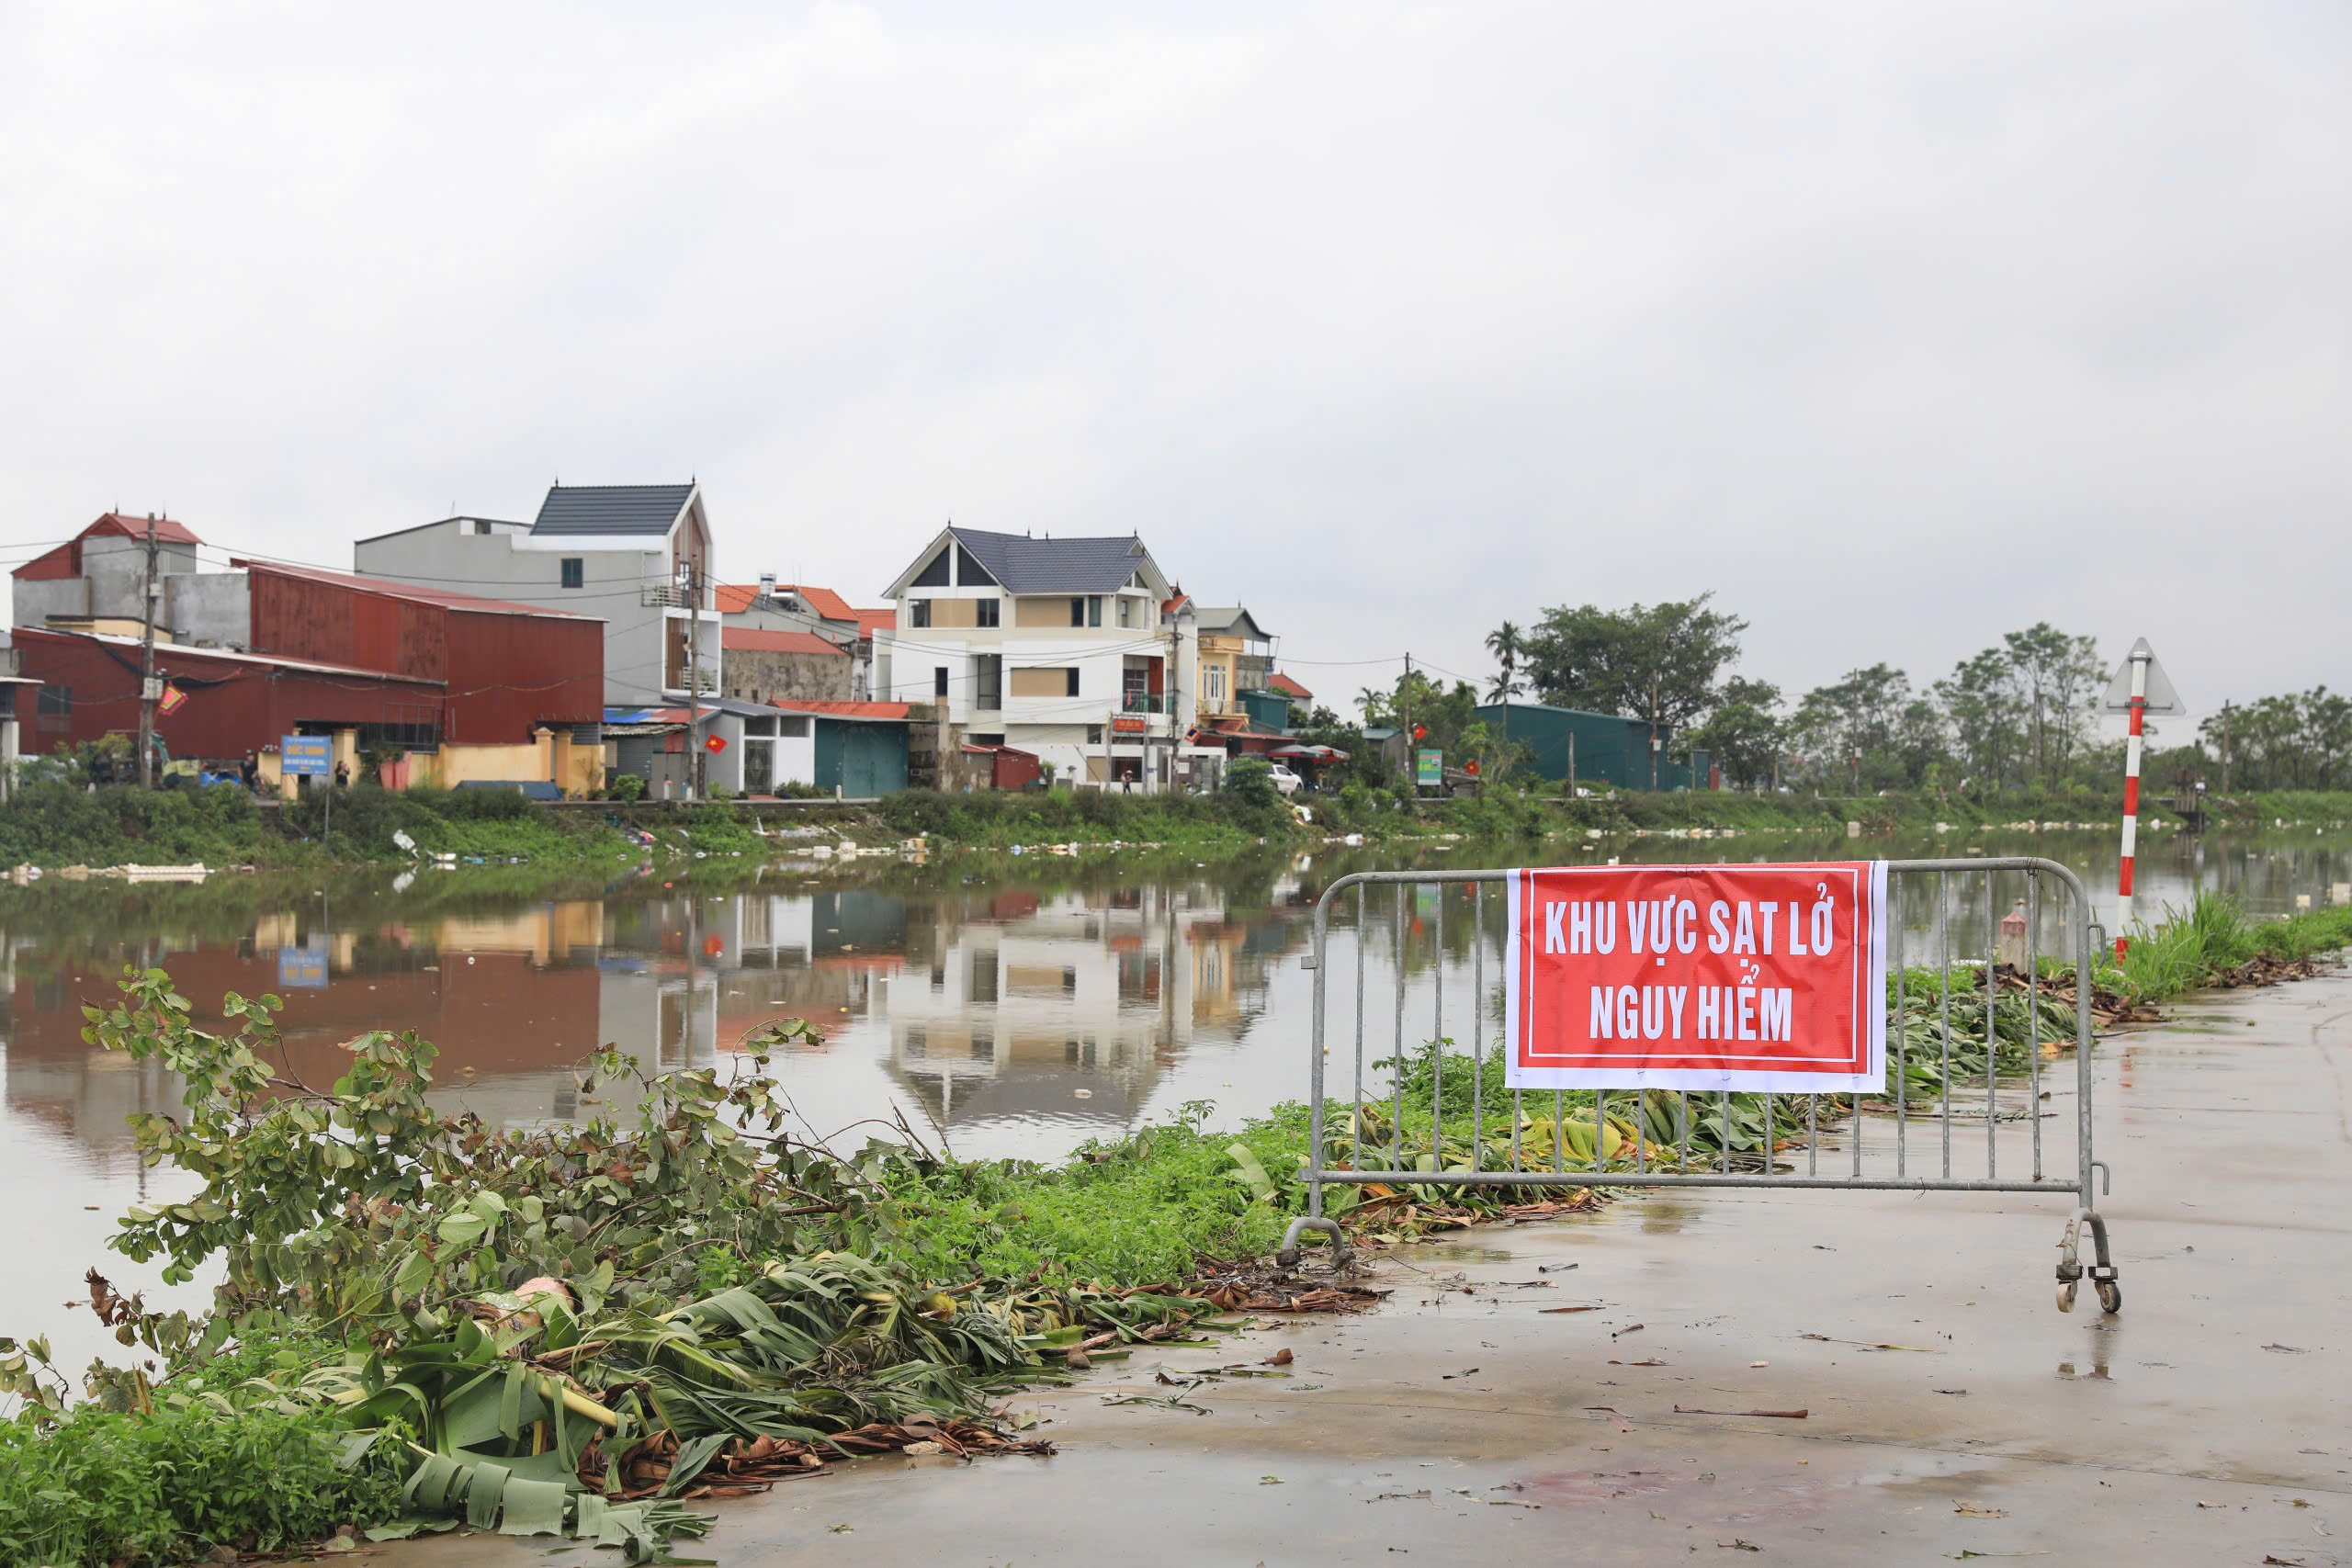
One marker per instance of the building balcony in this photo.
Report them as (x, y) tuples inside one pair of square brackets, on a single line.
[(1147, 701)]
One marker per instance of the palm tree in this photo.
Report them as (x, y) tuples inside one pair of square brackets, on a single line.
[(1505, 644)]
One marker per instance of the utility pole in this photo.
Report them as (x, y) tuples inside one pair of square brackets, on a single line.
[(148, 691), (1412, 747), (2225, 747)]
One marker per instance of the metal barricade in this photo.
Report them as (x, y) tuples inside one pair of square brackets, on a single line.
[(1898, 1142)]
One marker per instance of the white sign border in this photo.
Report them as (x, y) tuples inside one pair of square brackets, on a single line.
[(1872, 1003)]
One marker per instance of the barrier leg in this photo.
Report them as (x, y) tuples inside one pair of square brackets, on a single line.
[(2102, 1272), (1288, 1255)]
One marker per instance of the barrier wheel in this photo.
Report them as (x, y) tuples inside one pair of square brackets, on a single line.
[(2066, 1296), (2111, 1296)]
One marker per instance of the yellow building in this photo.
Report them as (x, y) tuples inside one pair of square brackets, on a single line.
[(1236, 656)]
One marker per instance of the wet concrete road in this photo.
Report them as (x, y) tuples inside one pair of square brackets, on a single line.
[(2207, 1423)]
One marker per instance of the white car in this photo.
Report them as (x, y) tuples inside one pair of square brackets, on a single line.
[(1285, 780)]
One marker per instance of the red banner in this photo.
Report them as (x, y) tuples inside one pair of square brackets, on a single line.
[(1749, 977)]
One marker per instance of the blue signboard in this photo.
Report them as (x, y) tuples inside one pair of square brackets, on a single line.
[(302, 968), (306, 754)]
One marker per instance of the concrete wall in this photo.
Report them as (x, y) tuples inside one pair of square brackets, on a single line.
[(195, 606), (35, 600), (214, 607), (760, 675)]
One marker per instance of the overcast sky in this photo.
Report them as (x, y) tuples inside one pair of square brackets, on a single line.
[(1896, 326)]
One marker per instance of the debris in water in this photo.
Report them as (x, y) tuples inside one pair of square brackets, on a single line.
[(1782, 1415)]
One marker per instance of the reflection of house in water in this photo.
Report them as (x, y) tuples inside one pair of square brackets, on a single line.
[(757, 957), (514, 998), (1066, 1006)]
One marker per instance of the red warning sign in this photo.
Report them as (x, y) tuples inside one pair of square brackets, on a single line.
[(1749, 977)]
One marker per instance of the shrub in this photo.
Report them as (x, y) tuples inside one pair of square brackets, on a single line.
[(105, 1487), (1249, 781)]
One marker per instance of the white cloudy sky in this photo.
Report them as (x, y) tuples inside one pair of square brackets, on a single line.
[(1897, 326)]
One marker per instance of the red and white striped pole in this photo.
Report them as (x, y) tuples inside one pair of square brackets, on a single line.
[(2140, 662)]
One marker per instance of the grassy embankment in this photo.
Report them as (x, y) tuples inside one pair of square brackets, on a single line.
[(1504, 812), (53, 824), (50, 826)]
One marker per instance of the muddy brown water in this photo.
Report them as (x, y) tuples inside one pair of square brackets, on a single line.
[(1005, 1007)]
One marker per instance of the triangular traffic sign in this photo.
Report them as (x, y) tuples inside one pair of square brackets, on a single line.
[(2161, 696)]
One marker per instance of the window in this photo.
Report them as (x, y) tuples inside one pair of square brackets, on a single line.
[(918, 611), (988, 681), (1053, 681), (1126, 611), (792, 728), (989, 609), (983, 988), (482, 527), (1216, 677), (939, 680), (970, 573), (1094, 610), (56, 706), (934, 574), (759, 726), (575, 571), (1095, 735), (1078, 612)]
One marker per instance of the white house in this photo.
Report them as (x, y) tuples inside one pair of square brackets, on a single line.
[(1078, 650), (638, 557)]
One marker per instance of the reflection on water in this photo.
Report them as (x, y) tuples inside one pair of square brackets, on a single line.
[(1006, 1018)]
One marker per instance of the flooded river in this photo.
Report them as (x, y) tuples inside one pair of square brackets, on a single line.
[(1015, 1010)]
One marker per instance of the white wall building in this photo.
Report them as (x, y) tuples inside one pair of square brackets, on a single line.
[(1079, 651), (639, 557)]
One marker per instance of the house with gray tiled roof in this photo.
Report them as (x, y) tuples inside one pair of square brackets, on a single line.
[(1079, 651), (638, 557)]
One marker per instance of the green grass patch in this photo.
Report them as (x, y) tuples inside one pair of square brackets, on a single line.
[(130, 1488)]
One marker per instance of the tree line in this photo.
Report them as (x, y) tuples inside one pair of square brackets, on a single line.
[(2020, 716)]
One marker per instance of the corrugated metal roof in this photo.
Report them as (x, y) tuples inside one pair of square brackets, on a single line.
[(179, 651), (1024, 565), (386, 588), (611, 508), (756, 639), (831, 707)]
